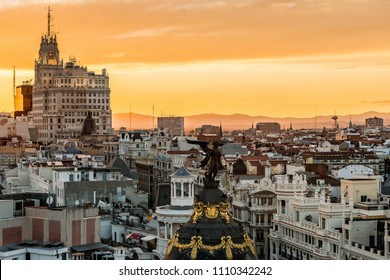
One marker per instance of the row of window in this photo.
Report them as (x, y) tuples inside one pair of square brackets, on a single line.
[(76, 80), (306, 238), (82, 114), (186, 189), (263, 200), (68, 85), (74, 86), (46, 127), (70, 120), (97, 107), (81, 100), (80, 94), (261, 219)]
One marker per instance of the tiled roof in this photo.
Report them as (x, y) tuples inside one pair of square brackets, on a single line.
[(251, 158), (182, 172), (117, 162)]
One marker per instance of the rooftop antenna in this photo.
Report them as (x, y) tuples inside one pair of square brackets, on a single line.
[(130, 115), (49, 21), (153, 116), (315, 122), (50, 24), (14, 85)]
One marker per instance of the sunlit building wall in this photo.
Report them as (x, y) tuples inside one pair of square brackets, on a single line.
[(63, 94)]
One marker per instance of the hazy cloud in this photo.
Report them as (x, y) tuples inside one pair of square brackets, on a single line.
[(21, 73), (10, 40), (9, 4), (199, 5), (337, 62), (174, 6), (115, 55), (381, 102), (192, 5), (152, 32), (285, 5)]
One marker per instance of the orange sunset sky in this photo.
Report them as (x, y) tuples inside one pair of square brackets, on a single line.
[(256, 57)]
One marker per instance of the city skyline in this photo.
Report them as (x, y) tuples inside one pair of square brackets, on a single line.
[(271, 58)]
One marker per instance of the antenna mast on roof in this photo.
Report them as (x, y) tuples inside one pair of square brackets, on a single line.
[(49, 21), (14, 86), (130, 115), (153, 116)]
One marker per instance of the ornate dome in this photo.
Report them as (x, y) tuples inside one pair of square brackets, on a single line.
[(211, 233)]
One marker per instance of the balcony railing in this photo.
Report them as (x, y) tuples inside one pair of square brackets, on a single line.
[(321, 252), (287, 187), (253, 224), (365, 252), (309, 226), (265, 207), (307, 201), (334, 207)]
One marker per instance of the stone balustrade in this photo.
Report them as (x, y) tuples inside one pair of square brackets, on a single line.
[(334, 207), (291, 188), (306, 201), (365, 252), (309, 226)]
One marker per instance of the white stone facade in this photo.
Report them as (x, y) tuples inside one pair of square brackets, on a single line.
[(308, 225), (254, 203), (64, 94)]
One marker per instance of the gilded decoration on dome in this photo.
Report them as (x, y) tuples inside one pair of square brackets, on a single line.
[(197, 244), (211, 211), (197, 213)]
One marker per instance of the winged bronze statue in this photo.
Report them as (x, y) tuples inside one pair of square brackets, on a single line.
[(212, 161)]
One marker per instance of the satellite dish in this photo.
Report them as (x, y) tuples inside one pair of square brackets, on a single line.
[(49, 200), (77, 202)]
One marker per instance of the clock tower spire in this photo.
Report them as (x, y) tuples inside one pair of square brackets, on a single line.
[(48, 22), (48, 51)]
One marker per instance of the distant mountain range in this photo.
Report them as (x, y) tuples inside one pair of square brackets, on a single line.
[(241, 121)]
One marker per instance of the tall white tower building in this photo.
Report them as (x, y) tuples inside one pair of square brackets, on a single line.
[(64, 94)]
